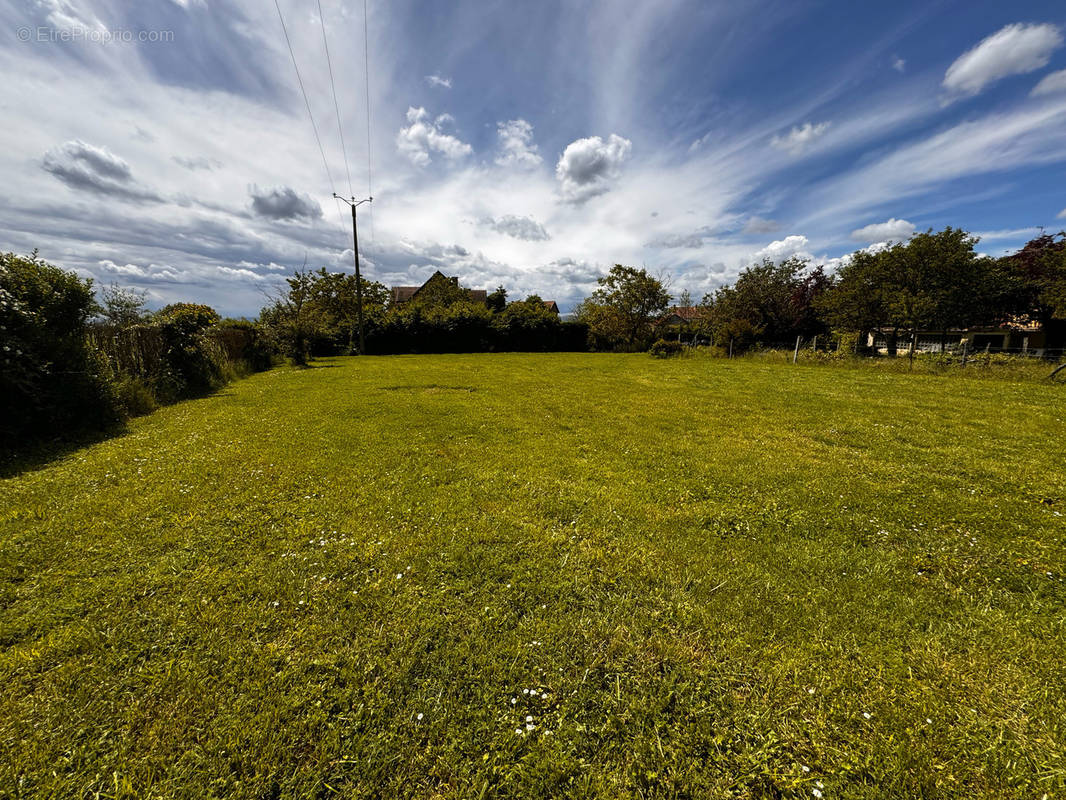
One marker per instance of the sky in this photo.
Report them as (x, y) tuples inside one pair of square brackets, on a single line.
[(166, 145)]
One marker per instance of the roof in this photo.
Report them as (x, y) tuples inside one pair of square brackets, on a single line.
[(684, 313), (402, 294), (552, 306)]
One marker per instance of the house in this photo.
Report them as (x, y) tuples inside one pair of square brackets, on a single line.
[(437, 281), (552, 306), (680, 315), (1021, 336), (680, 320)]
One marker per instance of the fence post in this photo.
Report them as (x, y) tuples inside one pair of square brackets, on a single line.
[(965, 350), (730, 346), (814, 345), (796, 354), (1025, 347)]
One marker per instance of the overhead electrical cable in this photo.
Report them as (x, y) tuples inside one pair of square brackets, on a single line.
[(336, 105)]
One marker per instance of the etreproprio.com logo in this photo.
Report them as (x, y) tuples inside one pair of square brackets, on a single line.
[(93, 35)]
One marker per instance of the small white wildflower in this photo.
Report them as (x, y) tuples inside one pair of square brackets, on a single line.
[(514, 700), (276, 604), (530, 726), (866, 714), (816, 792), (529, 718), (810, 691), (805, 768), (928, 721), (518, 731), (419, 716), (399, 575), (525, 691)]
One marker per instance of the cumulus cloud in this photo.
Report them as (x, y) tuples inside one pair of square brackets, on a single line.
[(283, 203), (1061, 214), (588, 167), (898, 64), (525, 228), (439, 81), (424, 135), (1052, 83), (797, 139), (94, 169), (891, 229), (783, 249), (1013, 50), (515, 144), (760, 225)]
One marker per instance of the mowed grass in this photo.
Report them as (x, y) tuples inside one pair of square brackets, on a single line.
[(546, 576)]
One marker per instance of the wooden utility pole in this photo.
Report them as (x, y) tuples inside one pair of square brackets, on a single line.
[(358, 278)]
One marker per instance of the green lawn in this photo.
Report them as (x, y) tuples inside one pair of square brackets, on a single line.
[(694, 578)]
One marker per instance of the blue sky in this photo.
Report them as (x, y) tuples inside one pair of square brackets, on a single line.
[(165, 145)]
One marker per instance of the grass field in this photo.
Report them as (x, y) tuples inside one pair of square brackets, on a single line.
[(546, 576)]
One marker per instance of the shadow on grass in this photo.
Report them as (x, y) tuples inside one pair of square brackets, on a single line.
[(40, 454)]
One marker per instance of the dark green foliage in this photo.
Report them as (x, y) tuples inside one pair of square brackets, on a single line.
[(497, 300), (936, 281), (620, 314), (665, 349), (121, 306), (50, 381), (769, 302), (1038, 271), (194, 362), (527, 325)]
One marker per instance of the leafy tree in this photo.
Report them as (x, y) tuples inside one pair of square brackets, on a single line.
[(335, 298), (122, 307), (620, 313), (527, 325), (769, 301), (497, 300), (293, 318), (936, 281), (1039, 272)]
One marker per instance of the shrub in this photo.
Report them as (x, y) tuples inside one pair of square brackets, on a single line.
[(50, 380), (665, 349)]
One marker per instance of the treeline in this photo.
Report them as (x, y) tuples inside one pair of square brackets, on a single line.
[(70, 362), (318, 314), (935, 282)]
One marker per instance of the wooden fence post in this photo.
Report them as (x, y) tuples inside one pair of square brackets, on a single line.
[(796, 354)]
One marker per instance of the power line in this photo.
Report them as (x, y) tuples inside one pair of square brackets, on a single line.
[(336, 105), (307, 103), (366, 72)]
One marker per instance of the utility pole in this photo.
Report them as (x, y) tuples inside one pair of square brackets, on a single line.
[(358, 279)]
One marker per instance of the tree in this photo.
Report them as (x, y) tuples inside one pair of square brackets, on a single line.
[(1039, 270), (527, 325), (769, 301), (497, 300), (293, 318), (620, 313), (936, 281), (334, 297), (122, 307)]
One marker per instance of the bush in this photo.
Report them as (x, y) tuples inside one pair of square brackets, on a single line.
[(665, 349), (50, 380)]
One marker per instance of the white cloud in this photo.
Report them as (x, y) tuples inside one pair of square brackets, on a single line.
[(783, 249), (588, 167), (1052, 83), (1061, 214), (424, 135), (797, 139), (65, 15), (891, 229), (516, 147), (899, 64), (439, 81), (1013, 50)]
